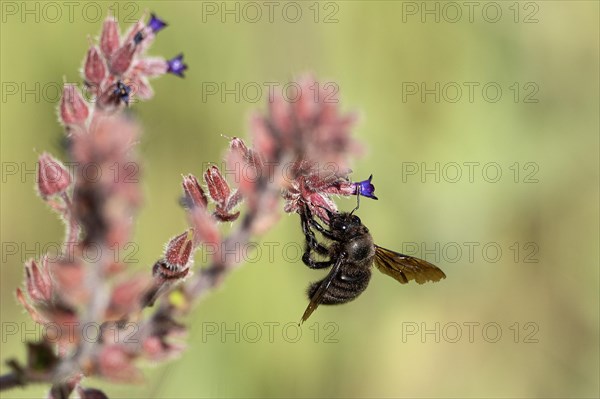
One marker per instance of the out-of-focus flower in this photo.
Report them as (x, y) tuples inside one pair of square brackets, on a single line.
[(125, 296), (38, 282), (249, 166), (105, 202), (55, 311), (206, 229), (98, 204), (365, 188), (53, 177), (69, 276), (313, 137), (90, 393), (33, 313), (311, 126), (176, 65), (117, 364), (162, 332)]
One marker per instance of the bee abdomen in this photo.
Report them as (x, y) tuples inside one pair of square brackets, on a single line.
[(344, 288)]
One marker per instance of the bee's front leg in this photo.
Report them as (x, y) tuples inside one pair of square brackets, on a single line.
[(326, 233), (311, 240)]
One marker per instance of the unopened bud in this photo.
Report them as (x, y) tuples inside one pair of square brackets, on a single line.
[(194, 195), (109, 39), (217, 185), (94, 68), (73, 109), (120, 61), (53, 177), (179, 250)]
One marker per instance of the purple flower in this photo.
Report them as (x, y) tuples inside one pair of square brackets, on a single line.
[(176, 65), (122, 92), (156, 24), (365, 188)]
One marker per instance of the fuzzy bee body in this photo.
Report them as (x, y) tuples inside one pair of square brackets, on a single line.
[(351, 254)]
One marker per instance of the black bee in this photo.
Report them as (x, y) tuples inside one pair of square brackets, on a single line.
[(351, 254)]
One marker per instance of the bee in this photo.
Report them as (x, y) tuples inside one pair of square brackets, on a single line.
[(351, 254)]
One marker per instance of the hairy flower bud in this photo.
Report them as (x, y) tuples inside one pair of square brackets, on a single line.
[(220, 192), (109, 39), (53, 177), (94, 68), (217, 185), (121, 59), (194, 195), (73, 109), (179, 250)]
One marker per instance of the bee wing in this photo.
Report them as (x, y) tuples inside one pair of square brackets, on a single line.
[(316, 299), (405, 268)]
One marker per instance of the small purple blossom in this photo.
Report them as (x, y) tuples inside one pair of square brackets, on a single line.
[(156, 24), (122, 92), (365, 188), (176, 65)]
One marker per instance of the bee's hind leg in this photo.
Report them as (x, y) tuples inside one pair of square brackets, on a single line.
[(313, 264)]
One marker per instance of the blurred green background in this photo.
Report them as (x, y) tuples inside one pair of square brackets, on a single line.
[(374, 51)]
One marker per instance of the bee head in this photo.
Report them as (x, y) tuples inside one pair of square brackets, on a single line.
[(346, 225)]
